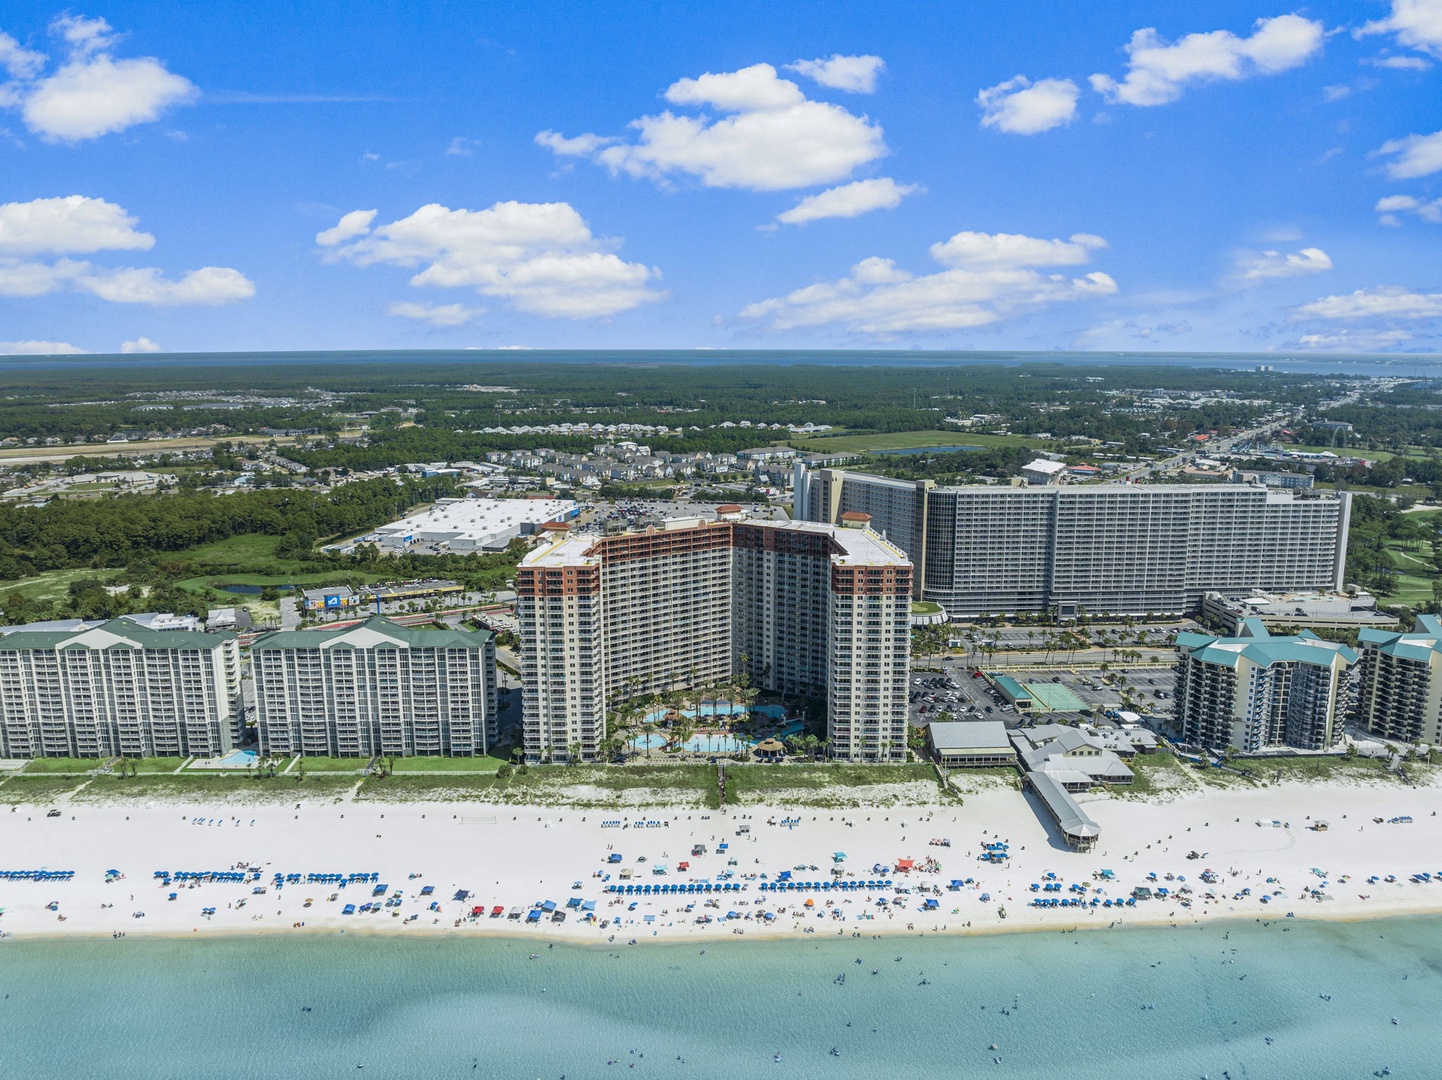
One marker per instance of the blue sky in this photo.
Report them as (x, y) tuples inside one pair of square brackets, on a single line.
[(1173, 176)]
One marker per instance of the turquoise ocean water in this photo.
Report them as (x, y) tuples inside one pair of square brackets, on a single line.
[(1128, 1003)]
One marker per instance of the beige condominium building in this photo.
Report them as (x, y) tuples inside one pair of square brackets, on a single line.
[(1400, 696), (1106, 549), (1255, 692), (119, 689), (797, 607), (375, 688)]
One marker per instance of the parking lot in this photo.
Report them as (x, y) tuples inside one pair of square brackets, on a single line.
[(954, 690)]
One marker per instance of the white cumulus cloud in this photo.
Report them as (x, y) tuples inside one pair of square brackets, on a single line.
[(1158, 70), (19, 62), (1254, 267), (140, 345), (72, 224), (1416, 24), (1401, 63), (987, 279), (1390, 207), (37, 238), (854, 74), (39, 348), (208, 286), (1413, 156), (770, 138), (1378, 302), (1023, 107), (848, 201), (91, 93), (539, 257), (436, 314), (1353, 339), (356, 223), (1008, 250)]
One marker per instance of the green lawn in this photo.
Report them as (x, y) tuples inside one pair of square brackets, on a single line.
[(908, 440), (243, 550), (158, 764), (925, 607), (81, 766), (314, 764), (65, 766), (483, 764), (1348, 451), (1414, 583), (52, 585)]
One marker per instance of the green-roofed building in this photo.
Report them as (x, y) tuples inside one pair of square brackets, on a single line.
[(375, 688), (119, 688), (1401, 691), (1256, 692)]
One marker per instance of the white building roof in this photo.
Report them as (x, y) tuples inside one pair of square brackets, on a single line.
[(477, 518), (1042, 465)]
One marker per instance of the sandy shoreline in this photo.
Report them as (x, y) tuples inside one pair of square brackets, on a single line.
[(516, 857)]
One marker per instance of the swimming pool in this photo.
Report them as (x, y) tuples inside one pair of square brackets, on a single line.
[(239, 759), (715, 744)]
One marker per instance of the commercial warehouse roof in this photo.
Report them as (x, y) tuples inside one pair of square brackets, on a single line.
[(477, 518)]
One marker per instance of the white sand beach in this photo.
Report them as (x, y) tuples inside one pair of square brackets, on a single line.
[(516, 857)]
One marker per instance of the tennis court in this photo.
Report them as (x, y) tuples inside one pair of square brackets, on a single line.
[(1053, 697)]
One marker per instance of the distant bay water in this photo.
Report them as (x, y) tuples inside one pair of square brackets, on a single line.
[(1173, 1003), (1339, 363)]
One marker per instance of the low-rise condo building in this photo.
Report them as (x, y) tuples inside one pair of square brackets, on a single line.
[(375, 688), (1255, 692), (796, 607), (119, 689), (1400, 696)]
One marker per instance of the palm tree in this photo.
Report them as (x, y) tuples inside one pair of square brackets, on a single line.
[(573, 753)]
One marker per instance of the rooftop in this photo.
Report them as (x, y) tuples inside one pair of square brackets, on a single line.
[(1256, 644), (969, 735), (121, 632), (479, 517), (377, 630), (858, 546)]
